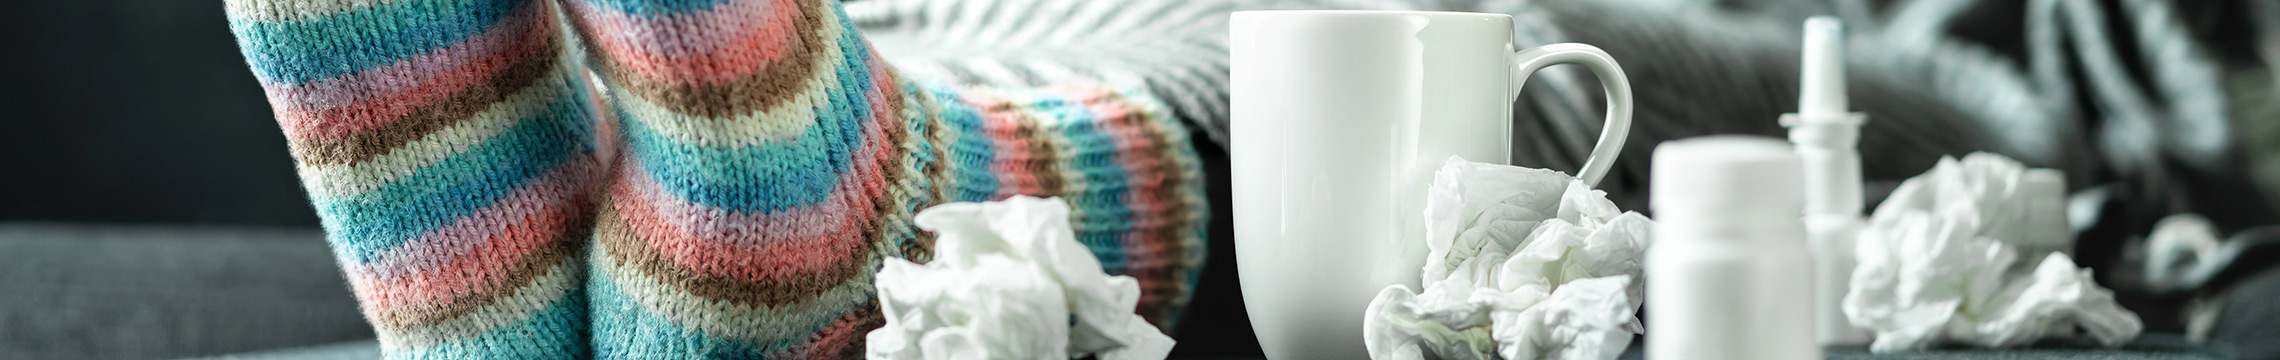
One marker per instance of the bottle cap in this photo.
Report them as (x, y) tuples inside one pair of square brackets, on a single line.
[(1727, 179)]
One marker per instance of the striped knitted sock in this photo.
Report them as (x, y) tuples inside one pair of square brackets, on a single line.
[(768, 165), (449, 147), (748, 167)]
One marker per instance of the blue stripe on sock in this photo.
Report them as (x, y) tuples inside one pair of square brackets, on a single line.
[(306, 50), (1081, 128), (764, 177), (363, 226), (657, 8), (756, 178), (970, 153)]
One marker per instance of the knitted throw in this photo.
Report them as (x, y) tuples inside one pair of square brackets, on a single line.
[(726, 191)]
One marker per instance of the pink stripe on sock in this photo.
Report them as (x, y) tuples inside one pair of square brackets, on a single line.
[(1145, 171), (695, 220), (1001, 121), (476, 250), (540, 199), (755, 247), (776, 257), (728, 42), (883, 113), (340, 107)]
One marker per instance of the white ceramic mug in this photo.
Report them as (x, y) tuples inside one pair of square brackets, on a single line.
[(1340, 119)]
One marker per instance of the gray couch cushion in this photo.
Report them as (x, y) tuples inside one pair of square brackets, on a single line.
[(2251, 322), (353, 350), (143, 292)]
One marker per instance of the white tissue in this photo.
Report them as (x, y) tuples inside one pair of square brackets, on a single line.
[(1005, 281), (1524, 264), (1937, 265)]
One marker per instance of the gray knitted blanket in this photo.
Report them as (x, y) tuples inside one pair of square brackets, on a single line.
[(1697, 67)]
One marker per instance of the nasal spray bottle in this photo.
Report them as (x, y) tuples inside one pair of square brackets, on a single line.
[(1826, 138), (1729, 276)]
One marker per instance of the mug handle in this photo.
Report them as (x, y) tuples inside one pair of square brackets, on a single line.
[(1616, 128)]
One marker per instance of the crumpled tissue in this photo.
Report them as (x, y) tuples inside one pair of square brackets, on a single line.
[(1523, 264), (1006, 280), (1935, 266)]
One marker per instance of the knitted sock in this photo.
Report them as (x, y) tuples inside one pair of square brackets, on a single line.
[(753, 160), (771, 159), (1176, 47), (449, 147)]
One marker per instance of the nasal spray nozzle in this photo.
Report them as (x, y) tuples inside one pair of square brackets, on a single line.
[(1825, 133), (1826, 137)]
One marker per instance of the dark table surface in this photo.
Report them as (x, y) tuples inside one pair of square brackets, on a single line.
[(2150, 346)]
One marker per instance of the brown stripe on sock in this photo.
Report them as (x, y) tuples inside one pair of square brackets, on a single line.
[(616, 239), (1044, 158), (892, 160), (533, 266), (936, 128), (921, 248), (773, 85), (1171, 189), (535, 64), (893, 200), (1176, 225)]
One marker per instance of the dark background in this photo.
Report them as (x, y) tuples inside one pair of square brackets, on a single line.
[(148, 205), (142, 113), (137, 111)]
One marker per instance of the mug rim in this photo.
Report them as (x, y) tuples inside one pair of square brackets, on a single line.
[(1368, 13)]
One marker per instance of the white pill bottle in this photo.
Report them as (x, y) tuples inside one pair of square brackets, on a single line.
[(1729, 276)]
